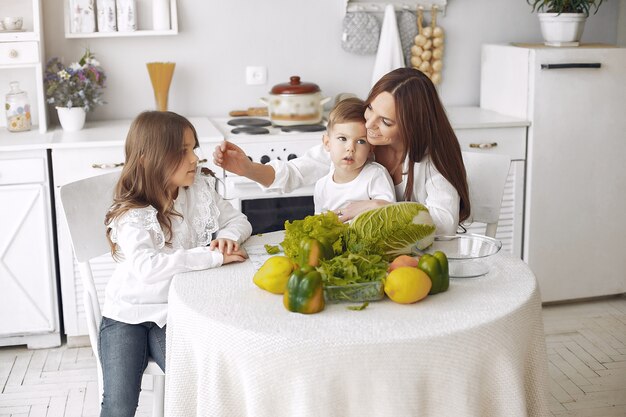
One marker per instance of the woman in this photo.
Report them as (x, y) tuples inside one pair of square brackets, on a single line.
[(413, 139)]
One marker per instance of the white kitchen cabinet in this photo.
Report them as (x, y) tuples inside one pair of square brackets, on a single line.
[(484, 131), (575, 99), (144, 12), (28, 286), (21, 59), (95, 150)]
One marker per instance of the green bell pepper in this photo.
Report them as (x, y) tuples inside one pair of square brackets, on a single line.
[(312, 251), (305, 292), (436, 266)]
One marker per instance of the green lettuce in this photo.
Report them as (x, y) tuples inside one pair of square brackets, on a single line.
[(391, 230), (325, 227), (352, 268)]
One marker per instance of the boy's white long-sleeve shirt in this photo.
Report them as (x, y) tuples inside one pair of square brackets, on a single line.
[(430, 187), (137, 291), (372, 183)]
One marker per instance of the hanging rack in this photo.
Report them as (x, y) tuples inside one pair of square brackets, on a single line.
[(379, 7)]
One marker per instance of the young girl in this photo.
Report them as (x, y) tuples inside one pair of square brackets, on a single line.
[(161, 223)]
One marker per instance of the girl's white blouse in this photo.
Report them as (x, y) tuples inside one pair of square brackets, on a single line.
[(430, 187), (137, 291)]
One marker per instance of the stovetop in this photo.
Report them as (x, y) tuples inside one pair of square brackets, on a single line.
[(276, 144), (234, 129)]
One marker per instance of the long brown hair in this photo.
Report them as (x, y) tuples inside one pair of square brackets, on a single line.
[(154, 149), (424, 129)]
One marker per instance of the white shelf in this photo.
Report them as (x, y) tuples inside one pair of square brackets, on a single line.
[(121, 34), (141, 6)]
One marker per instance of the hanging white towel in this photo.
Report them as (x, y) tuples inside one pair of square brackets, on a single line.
[(389, 55)]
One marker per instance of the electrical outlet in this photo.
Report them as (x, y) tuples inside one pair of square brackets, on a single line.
[(256, 75)]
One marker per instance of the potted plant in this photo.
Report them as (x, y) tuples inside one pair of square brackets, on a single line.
[(74, 90), (562, 21)]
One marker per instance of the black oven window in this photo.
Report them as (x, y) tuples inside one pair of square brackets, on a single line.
[(269, 214)]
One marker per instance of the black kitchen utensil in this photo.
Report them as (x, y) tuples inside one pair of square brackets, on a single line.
[(250, 130), (303, 128), (249, 122)]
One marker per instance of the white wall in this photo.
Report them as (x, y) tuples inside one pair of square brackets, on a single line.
[(218, 38)]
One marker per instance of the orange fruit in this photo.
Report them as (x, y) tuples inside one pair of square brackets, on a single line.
[(406, 285), (402, 260)]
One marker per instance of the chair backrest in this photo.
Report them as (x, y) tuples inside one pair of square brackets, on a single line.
[(486, 176), (85, 203)]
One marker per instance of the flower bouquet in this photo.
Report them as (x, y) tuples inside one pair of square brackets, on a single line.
[(78, 85)]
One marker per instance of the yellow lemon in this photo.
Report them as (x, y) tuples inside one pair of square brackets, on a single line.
[(274, 274), (407, 285)]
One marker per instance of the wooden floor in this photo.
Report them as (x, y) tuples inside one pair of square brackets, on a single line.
[(586, 344)]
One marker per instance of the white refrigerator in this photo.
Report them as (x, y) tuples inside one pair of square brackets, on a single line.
[(575, 193)]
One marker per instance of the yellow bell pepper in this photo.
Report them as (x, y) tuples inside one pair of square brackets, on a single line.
[(274, 274)]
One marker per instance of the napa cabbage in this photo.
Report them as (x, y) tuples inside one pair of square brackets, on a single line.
[(391, 230)]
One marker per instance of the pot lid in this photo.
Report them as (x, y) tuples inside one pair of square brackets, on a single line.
[(295, 86)]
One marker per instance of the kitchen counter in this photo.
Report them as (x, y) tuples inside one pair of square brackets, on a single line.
[(477, 118), (94, 134), (24, 141), (113, 132)]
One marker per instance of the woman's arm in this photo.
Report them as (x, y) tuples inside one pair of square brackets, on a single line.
[(282, 175), (433, 190)]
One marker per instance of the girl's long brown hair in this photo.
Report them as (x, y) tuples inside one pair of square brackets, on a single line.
[(154, 149), (424, 129)]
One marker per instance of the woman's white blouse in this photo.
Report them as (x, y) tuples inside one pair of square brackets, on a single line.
[(137, 291), (429, 187)]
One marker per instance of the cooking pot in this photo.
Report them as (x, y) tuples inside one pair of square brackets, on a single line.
[(295, 103)]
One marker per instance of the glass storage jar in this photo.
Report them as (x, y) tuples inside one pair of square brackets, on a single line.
[(17, 109)]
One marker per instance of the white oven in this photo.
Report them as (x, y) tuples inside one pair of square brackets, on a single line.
[(267, 210)]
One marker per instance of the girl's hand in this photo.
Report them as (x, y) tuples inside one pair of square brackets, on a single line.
[(230, 249), (354, 208), (232, 158), (239, 255)]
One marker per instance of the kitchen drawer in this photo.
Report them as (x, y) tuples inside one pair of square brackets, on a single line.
[(22, 171), (507, 140), (76, 164), (13, 53)]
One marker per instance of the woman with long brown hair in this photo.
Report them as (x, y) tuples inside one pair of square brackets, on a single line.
[(413, 139)]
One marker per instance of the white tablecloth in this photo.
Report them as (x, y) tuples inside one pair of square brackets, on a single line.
[(476, 350)]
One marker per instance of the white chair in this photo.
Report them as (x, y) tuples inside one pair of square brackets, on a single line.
[(85, 204), (486, 177)]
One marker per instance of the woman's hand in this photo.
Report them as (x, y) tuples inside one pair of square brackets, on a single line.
[(232, 158), (354, 208), (230, 249)]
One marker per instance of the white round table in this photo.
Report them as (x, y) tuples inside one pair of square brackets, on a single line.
[(476, 350)]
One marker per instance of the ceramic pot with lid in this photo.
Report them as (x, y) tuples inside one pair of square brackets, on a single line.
[(295, 103)]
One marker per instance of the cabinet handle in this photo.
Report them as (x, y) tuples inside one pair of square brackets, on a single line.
[(13, 53), (572, 65), (108, 166), (483, 145)]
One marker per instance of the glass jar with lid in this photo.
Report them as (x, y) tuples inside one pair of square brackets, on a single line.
[(17, 109)]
